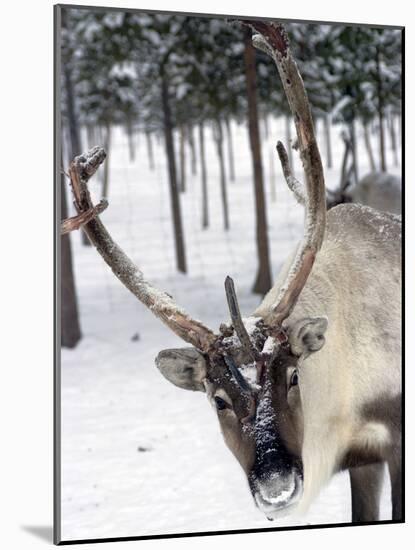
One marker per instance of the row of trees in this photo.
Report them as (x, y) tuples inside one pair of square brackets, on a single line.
[(354, 74), (161, 74)]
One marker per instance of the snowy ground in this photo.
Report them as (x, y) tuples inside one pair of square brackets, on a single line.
[(139, 456)]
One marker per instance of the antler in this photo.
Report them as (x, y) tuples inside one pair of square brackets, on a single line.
[(237, 321), (76, 222), (292, 182), (273, 40), (159, 302)]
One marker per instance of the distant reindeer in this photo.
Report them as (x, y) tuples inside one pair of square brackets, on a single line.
[(379, 190), (310, 383)]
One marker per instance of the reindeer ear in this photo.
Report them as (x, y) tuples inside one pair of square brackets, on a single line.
[(183, 367), (307, 335)]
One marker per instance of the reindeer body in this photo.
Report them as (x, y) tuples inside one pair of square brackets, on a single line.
[(379, 190), (355, 282)]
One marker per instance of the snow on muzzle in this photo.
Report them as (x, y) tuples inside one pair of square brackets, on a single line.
[(278, 493), (276, 479)]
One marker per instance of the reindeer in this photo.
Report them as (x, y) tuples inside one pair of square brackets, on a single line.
[(379, 190), (309, 384)]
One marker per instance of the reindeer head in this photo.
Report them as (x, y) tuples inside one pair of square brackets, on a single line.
[(256, 396), (251, 369)]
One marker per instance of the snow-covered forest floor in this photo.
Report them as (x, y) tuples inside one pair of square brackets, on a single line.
[(140, 456)]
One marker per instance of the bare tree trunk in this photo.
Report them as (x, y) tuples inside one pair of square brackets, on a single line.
[(130, 136), (98, 135), (65, 146), (393, 139), (191, 140), (230, 150), (150, 153), (400, 129), (272, 175), (219, 149), (73, 124), (327, 133), (90, 135), (105, 183), (353, 144), (344, 170), (205, 200), (369, 147), (174, 192), (380, 114), (182, 140), (70, 328), (382, 142), (98, 140), (266, 125), (288, 141), (95, 135), (263, 278)]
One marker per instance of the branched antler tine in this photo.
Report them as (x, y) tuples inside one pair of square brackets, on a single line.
[(276, 39), (75, 222), (292, 182), (160, 303), (237, 318)]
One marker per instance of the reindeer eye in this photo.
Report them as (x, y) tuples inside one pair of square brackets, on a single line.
[(220, 403), (294, 379)]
